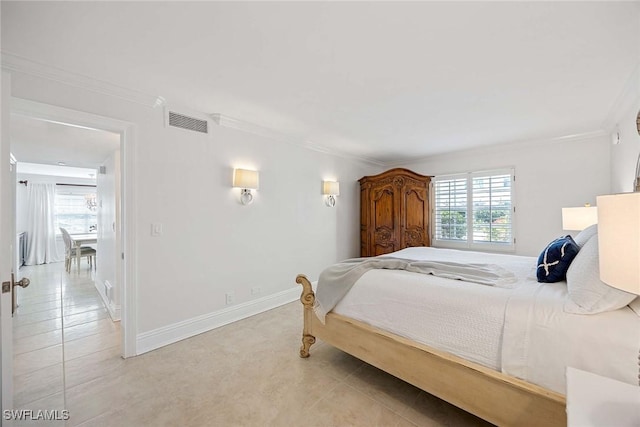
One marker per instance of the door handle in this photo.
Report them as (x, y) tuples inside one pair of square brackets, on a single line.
[(8, 286), (23, 283)]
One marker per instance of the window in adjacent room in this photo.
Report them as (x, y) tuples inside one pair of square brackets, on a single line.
[(474, 210), (72, 211)]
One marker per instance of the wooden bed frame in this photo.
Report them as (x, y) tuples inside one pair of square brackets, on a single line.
[(490, 395)]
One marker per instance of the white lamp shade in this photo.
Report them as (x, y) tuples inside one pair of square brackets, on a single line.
[(243, 178), (331, 188), (619, 241), (579, 218)]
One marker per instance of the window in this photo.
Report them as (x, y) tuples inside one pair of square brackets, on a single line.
[(474, 210), (72, 211)]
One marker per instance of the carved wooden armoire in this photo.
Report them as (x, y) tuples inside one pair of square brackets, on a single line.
[(394, 211)]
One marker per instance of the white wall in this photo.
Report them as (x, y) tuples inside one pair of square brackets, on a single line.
[(624, 156), (550, 175), (211, 244), (108, 251)]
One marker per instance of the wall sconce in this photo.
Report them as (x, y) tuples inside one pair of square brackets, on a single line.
[(331, 189), (579, 218), (246, 180)]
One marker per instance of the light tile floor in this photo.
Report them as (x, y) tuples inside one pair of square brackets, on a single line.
[(59, 323), (244, 374)]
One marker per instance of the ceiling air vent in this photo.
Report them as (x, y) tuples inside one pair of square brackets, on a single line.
[(189, 123)]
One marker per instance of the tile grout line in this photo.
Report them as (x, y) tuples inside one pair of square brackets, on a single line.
[(339, 382), (409, 407), (370, 397), (381, 403), (64, 364), (322, 397)]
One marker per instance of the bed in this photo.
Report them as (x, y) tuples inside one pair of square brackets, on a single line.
[(485, 349)]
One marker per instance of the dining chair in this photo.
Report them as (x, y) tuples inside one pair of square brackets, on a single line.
[(70, 252)]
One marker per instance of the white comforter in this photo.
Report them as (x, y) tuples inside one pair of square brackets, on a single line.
[(521, 331), (541, 340)]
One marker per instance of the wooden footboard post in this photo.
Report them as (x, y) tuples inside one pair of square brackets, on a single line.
[(307, 298)]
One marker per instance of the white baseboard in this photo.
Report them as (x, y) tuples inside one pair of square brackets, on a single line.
[(114, 312), (113, 309), (169, 334)]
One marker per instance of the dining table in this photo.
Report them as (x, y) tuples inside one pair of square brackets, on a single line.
[(77, 240)]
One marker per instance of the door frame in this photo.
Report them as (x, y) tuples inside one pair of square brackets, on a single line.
[(127, 258), (7, 243)]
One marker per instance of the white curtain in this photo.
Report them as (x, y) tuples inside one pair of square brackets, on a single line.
[(41, 225)]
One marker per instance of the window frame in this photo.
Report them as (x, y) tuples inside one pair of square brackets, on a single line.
[(79, 190), (469, 243)]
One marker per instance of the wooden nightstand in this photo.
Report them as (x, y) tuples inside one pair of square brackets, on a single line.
[(598, 401)]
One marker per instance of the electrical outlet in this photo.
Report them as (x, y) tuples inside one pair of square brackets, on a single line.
[(230, 298), (257, 290)]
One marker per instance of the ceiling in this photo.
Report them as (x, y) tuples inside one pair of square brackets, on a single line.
[(48, 143), (389, 81)]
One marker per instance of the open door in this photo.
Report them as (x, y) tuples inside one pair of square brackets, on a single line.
[(7, 241), (8, 244)]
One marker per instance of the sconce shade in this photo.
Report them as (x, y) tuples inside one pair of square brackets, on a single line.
[(244, 178), (619, 241), (331, 188), (579, 218)]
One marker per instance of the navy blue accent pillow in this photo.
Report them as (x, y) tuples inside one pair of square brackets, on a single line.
[(555, 259)]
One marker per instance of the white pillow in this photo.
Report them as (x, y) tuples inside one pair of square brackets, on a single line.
[(587, 293), (586, 234)]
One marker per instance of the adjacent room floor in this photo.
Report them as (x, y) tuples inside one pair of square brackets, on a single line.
[(60, 327), (67, 356)]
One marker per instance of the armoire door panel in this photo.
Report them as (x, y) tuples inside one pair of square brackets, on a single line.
[(384, 212), (415, 221), (415, 207)]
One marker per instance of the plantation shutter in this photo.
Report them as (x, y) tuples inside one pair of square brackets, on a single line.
[(474, 210), (451, 208), (492, 210)]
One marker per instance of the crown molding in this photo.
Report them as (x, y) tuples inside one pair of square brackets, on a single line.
[(233, 123), (597, 133), (244, 126), (14, 63), (17, 64)]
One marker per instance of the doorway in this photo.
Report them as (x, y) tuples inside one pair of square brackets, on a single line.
[(124, 203), (70, 314)]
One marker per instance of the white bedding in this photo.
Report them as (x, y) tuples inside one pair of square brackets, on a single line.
[(521, 331), (541, 340)]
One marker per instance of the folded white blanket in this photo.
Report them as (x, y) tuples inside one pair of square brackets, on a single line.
[(337, 280)]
